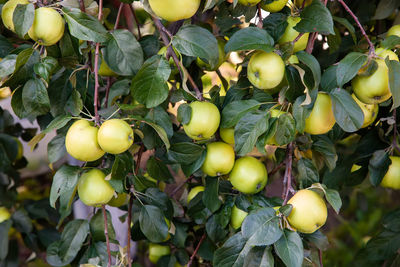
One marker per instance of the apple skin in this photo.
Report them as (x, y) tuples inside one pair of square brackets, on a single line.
[(383, 53), (237, 217), (115, 136), (4, 214), (194, 191), (204, 121), (370, 111), (299, 3), (48, 26), (321, 119), (8, 10), (265, 70), (309, 211), (392, 177), (394, 30), (81, 141), (248, 175), (290, 34), (373, 89), (227, 135), (156, 251), (219, 160), (172, 10), (93, 189), (120, 200), (275, 6), (249, 2)]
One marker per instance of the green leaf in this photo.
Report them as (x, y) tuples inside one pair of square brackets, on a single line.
[(333, 197), (46, 67), (7, 65), (259, 257), (315, 18), (312, 63), (349, 66), (235, 110), (26, 59), (149, 86), (160, 131), (214, 230), (4, 230), (162, 118), (250, 38), (385, 9), (97, 226), (394, 81), (118, 89), (56, 148), (290, 249), (123, 53), (5, 47), (184, 153), (74, 103), (286, 129), (184, 113), (158, 170), (378, 166), (275, 24), (348, 26), (300, 113), (318, 239), (232, 253), (210, 196), (390, 42), (328, 80), (35, 98), (22, 17), (308, 173), (152, 223), (326, 148), (22, 221)]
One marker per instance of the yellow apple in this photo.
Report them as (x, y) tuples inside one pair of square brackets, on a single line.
[(265, 70), (309, 211), (20, 152), (8, 10), (275, 6), (275, 113), (293, 59), (5, 92), (383, 53), (219, 159), (237, 217), (156, 251), (204, 121), (321, 119), (249, 2), (93, 189), (227, 135), (355, 168), (370, 111), (48, 26), (4, 214), (299, 3), (394, 30), (290, 34), (392, 177), (221, 57), (173, 10), (81, 141), (115, 136), (194, 191), (248, 175), (120, 200)]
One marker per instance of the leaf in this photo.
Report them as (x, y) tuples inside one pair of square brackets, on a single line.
[(22, 17), (22, 222), (259, 256), (325, 147), (149, 86), (152, 223), (348, 26), (286, 129), (97, 226), (250, 38), (378, 166), (184, 113), (333, 197), (210, 196), (5, 227), (290, 249), (185, 152), (349, 66), (160, 131), (235, 110), (7, 65), (315, 18), (35, 98), (23, 72), (385, 9), (300, 113), (46, 67), (394, 81), (122, 53), (328, 80), (56, 148), (308, 173), (232, 253), (214, 230), (5, 47), (158, 170), (275, 24), (312, 63)]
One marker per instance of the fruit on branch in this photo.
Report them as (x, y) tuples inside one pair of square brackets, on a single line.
[(370, 111), (383, 53), (237, 217), (8, 10), (156, 251), (274, 6), (321, 119), (309, 211), (392, 176), (394, 30), (115, 136), (221, 58), (93, 189), (194, 191), (173, 10), (265, 70), (275, 113), (249, 2), (291, 34), (48, 26), (219, 159), (204, 120), (248, 175), (20, 152), (120, 200), (299, 3), (227, 135), (81, 141), (5, 92), (4, 214)]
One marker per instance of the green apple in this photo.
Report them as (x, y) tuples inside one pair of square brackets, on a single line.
[(20, 152), (227, 135), (237, 217), (299, 3), (265, 70), (194, 191), (355, 168), (309, 211), (120, 200), (321, 119), (383, 53), (219, 159), (204, 120), (392, 177), (394, 30), (93, 189), (249, 2), (115, 136), (290, 34), (81, 141), (173, 10), (370, 111), (274, 6), (48, 26), (275, 113), (5, 92), (8, 10), (293, 59), (4, 214), (221, 57), (248, 175), (156, 251)]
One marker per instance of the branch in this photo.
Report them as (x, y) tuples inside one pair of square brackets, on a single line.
[(394, 142), (311, 41), (276, 169), (96, 71), (136, 20), (176, 190), (82, 6), (298, 37), (103, 207), (260, 18), (287, 179), (196, 250), (118, 16), (107, 91), (320, 258)]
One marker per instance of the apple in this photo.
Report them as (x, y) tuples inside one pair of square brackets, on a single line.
[(48, 26), (383, 53), (227, 135), (161, 184), (204, 120), (5, 92), (237, 217), (93, 189), (4, 214), (219, 159), (293, 59), (248, 175), (194, 191), (321, 119), (115, 136), (309, 211), (156, 251), (299, 3), (81, 141), (275, 113), (265, 70), (290, 34), (274, 6), (373, 89), (370, 111), (355, 168), (249, 2), (394, 30), (221, 57), (392, 176), (120, 200), (173, 10), (8, 10)]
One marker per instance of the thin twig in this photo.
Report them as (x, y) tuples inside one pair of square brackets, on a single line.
[(103, 207), (288, 173), (394, 142), (320, 258), (298, 37), (276, 169), (96, 71), (82, 6), (118, 15), (311, 41), (136, 20), (108, 86), (260, 18), (196, 250), (176, 190)]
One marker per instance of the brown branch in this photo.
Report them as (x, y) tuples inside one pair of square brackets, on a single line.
[(320, 258), (310, 43), (287, 180), (103, 207), (82, 6), (96, 71), (303, 4), (260, 18), (118, 15), (276, 169), (298, 37), (136, 20), (196, 250), (108, 86), (176, 190)]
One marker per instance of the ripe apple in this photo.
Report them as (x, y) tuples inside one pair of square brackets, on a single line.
[(392, 177), (204, 121), (370, 111), (265, 70), (249, 2), (373, 89), (383, 53), (219, 159), (120, 200), (8, 10), (81, 141), (173, 10), (309, 211), (321, 119), (227, 135), (93, 189), (248, 175), (156, 251), (221, 57), (299, 3), (290, 34), (394, 30), (4, 214), (275, 6), (48, 26), (5, 92), (275, 113), (115, 136), (237, 217), (194, 191), (20, 152), (293, 59)]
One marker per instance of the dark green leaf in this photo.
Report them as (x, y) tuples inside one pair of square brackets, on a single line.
[(35, 98), (315, 18), (160, 131), (385, 9), (56, 148), (185, 153), (378, 166), (232, 253), (286, 129), (326, 148), (22, 17), (4, 230), (152, 223), (259, 257), (394, 81), (334, 199), (300, 113), (184, 113), (308, 173), (235, 110), (251, 38), (158, 170), (210, 196), (290, 249), (214, 230), (97, 226), (349, 66), (312, 63), (348, 26)]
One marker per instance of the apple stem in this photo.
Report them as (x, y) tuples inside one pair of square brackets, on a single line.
[(287, 179), (136, 20), (103, 207), (118, 15), (260, 18), (196, 250)]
